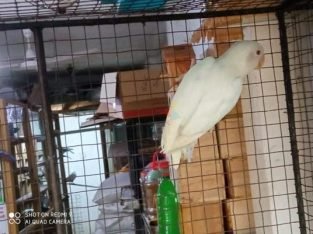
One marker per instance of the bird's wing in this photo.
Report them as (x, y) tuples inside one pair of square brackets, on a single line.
[(219, 100), (185, 101), (197, 125), (219, 97)]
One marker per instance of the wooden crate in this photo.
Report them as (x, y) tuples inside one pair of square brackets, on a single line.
[(241, 216), (202, 218), (231, 138), (201, 181), (238, 177)]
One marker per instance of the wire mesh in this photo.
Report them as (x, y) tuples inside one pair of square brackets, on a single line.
[(32, 10), (299, 27), (241, 177)]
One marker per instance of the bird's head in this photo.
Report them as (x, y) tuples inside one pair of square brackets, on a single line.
[(245, 56)]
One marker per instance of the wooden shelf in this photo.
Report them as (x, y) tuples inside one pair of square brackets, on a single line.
[(21, 170), (29, 196), (10, 171), (19, 140)]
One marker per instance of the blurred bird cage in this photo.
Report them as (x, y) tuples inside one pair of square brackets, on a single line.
[(59, 6), (99, 81)]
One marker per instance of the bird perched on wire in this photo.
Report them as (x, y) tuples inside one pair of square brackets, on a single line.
[(208, 91)]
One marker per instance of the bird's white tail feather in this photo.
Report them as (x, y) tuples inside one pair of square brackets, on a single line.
[(174, 158), (188, 151)]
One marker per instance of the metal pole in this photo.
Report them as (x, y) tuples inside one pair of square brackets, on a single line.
[(48, 126), (134, 170), (291, 119), (104, 151)]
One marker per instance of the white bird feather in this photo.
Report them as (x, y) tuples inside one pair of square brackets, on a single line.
[(208, 92)]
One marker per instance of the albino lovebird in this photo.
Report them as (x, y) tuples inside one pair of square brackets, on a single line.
[(208, 92)]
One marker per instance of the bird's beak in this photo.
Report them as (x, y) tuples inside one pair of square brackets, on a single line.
[(261, 62)]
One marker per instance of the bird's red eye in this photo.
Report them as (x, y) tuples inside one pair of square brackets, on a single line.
[(258, 52)]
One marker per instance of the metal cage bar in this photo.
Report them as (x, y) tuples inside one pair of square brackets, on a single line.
[(291, 118)]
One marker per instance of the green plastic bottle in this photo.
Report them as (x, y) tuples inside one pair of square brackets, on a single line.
[(168, 208)]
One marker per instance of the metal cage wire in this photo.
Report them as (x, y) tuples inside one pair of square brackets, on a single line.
[(245, 175), (46, 9)]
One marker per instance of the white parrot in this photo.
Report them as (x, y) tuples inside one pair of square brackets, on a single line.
[(208, 92)]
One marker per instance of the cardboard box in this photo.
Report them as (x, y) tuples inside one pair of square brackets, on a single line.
[(133, 93), (236, 112), (226, 34), (201, 181), (238, 177), (177, 59), (231, 138), (224, 30), (142, 90), (202, 218), (206, 148), (144, 84), (216, 23), (240, 213)]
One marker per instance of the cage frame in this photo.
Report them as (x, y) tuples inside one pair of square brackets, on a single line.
[(38, 26)]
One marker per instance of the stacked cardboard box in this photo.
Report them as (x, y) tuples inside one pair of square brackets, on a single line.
[(131, 94), (202, 218), (214, 187)]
